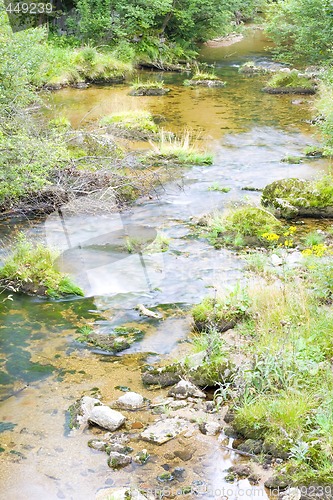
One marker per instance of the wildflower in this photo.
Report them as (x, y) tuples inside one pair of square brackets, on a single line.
[(270, 236)]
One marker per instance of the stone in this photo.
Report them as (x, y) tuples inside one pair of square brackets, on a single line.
[(147, 312), (164, 430), (277, 481), (185, 389), (106, 418), (120, 494), (129, 401), (276, 260), (184, 454), (118, 460), (119, 448), (294, 197), (210, 428), (241, 470), (176, 405), (291, 494), (97, 444), (252, 446), (81, 410), (164, 376), (141, 457)]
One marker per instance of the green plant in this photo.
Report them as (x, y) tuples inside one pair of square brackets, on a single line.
[(178, 150), (31, 269), (217, 187), (136, 120), (291, 79)]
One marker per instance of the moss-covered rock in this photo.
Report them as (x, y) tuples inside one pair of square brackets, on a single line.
[(290, 82), (118, 340), (294, 197)]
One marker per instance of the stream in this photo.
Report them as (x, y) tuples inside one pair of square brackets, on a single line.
[(44, 368)]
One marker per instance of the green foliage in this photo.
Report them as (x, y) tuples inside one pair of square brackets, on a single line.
[(217, 187), (25, 168), (30, 268), (290, 79), (302, 30), (138, 120), (222, 312), (178, 151), (147, 85)]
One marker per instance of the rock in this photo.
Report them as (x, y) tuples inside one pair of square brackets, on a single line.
[(178, 472), (176, 405), (147, 312), (129, 401), (141, 457), (276, 260), (118, 448), (252, 446), (275, 451), (97, 444), (241, 470), (165, 376), (152, 92), (210, 428), (184, 454), (204, 83), (294, 197), (106, 418), (118, 460), (185, 389), (229, 417), (81, 410), (164, 430), (291, 494), (277, 481), (165, 477), (120, 494)]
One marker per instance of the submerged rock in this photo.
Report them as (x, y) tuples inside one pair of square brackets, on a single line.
[(106, 418), (140, 91), (164, 430), (185, 389), (164, 376), (205, 83)]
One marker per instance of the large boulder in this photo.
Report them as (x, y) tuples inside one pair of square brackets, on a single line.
[(290, 198)]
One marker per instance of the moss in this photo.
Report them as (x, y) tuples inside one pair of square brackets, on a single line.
[(120, 339), (132, 121), (250, 68), (290, 82), (30, 269), (245, 226), (150, 87), (298, 196)]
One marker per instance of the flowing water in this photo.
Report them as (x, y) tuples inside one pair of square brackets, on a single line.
[(45, 369)]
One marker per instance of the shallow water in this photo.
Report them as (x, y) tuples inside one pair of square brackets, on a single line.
[(45, 368)]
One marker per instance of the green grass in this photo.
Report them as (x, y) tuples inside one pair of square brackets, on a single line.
[(217, 187), (291, 79), (218, 312), (178, 150), (286, 395), (136, 120), (30, 268), (293, 160), (201, 75), (148, 85)]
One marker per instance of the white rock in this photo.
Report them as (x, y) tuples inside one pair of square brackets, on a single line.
[(129, 401), (164, 430), (106, 418), (294, 258), (185, 389), (120, 494), (291, 494), (276, 260), (212, 428), (87, 404)]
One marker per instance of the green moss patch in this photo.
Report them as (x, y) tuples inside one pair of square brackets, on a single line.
[(118, 340), (297, 197), (136, 123)]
